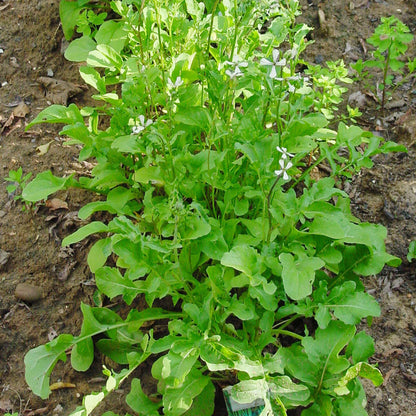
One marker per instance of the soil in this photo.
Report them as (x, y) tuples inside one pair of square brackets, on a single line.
[(31, 43)]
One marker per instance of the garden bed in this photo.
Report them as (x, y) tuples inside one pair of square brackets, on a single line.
[(32, 44)]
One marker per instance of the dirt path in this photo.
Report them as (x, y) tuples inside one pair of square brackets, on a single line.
[(31, 41)]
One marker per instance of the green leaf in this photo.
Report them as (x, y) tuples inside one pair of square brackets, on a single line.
[(248, 391), (194, 116), (322, 407), (411, 255), (203, 404), (44, 185), (96, 321), (116, 202), (69, 12), (298, 276), (242, 258), (110, 281), (148, 174), (219, 357), (116, 350), (40, 361), (243, 309), (291, 393), (241, 207), (78, 49), (82, 354), (177, 401), (58, 114), (127, 144), (194, 227), (353, 308), (364, 370), (324, 350), (179, 365), (104, 56), (98, 254), (360, 348), (139, 402), (91, 228), (194, 9), (112, 33), (297, 364), (93, 78)]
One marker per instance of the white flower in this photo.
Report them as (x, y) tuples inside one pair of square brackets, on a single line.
[(284, 169), (284, 152), (138, 128), (178, 82), (274, 64), (237, 62), (234, 74), (291, 87)]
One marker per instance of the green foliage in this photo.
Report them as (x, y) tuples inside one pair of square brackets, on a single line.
[(17, 182), (205, 142), (390, 40), (411, 255)]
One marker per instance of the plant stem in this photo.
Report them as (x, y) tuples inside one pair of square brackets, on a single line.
[(386, 68), (269, 200), (301, 177), (280, 403), (287, 333)]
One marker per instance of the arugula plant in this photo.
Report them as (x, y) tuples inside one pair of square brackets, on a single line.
[(391, 39), (208, 164)]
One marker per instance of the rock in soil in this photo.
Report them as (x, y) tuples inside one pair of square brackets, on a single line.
[(28, 293)]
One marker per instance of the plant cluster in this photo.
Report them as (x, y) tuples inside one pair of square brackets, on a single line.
[(390, 40), (207, 144)]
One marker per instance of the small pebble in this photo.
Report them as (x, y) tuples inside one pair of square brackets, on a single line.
[(28, 293), (49, 72)]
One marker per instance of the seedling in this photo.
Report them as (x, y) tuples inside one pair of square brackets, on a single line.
[(391, 39), (17, 183)]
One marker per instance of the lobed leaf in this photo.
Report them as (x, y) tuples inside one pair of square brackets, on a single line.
[(40, 361)]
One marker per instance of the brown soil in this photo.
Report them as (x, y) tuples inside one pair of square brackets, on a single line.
[(31, 40)]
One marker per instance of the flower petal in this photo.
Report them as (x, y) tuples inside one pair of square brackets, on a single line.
[(276, 55), (265, 62)]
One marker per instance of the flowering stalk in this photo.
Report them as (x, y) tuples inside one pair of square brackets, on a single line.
[(285, 164)]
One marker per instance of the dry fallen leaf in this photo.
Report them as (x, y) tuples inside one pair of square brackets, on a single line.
[(21, 111), (44, 148), (56, 203), (59, 91), (8, 123)]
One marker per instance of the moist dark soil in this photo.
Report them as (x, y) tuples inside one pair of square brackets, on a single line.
[(31, 45)]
